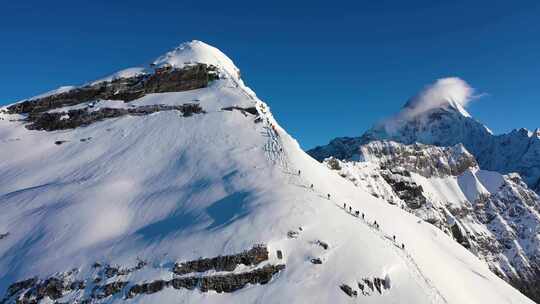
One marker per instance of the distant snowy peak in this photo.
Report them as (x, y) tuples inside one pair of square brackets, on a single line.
[(450, 93), (437, 116)]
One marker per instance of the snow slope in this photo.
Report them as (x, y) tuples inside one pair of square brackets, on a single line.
[(166, 188), (494, 216)]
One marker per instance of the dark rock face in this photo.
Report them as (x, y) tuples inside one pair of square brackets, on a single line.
[(84, 117), (410, 192), (218, 283), (250, 110), (148, 288), (106, 290), (21, 285), (34, 290), (324, 245), (348, 290), (251, 257), (233, 282), (163, 80), (316, 261)]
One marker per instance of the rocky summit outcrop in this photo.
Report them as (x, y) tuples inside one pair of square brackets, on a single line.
[(164, 79), (494, 216), (46, 113), (86, 116)]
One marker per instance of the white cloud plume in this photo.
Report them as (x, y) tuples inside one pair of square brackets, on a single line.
[(445, 92), (451, 91)]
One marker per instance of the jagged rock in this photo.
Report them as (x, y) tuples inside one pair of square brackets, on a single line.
[(322, 244), (187, 283), (164, 79), (233, 282), (147, 288), (251, 257), (292, 234), (83, 117), (218, 283), (369, 284), (109, 289), (348, 290), (333, 164), (378, 283), (19, 286), (316, 261), (250, 110), (279, 254), (59, 142)]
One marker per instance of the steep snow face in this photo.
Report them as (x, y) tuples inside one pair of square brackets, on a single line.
[(100, 209), (494, 216)]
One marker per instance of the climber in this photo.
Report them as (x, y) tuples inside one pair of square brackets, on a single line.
[(344, 206), (299, 172), (356, 213), (363, 215), (311, 186), (328, 195), (402, 246), (394, 238), (350, 209)]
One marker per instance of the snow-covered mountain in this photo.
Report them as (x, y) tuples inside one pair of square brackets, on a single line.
[(436, 161), (173, 183), (437, 116), (495, 216)]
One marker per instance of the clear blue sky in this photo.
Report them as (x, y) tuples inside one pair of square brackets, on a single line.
[(326, 68)]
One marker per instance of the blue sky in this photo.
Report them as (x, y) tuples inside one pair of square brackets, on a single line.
[(326, 68)]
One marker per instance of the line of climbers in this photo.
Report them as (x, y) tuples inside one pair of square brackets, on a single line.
[(356, 212), (375, 224)]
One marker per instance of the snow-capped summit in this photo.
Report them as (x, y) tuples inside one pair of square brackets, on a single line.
[(450, 93), (198, 52), (178, 186)]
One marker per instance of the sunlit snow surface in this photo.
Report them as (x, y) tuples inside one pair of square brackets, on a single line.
[(167, 188)]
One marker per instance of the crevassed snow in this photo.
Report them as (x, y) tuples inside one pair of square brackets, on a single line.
[(166, 188)]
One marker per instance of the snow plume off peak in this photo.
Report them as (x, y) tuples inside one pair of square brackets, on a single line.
[(451, 91)]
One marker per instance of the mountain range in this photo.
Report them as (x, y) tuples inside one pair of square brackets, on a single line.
[(174, 183)]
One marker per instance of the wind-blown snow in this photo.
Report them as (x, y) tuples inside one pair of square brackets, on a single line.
[(451, 91), (165, 188)]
